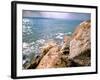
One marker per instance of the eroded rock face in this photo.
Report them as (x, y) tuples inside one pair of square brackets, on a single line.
[(80, 45), (52, 59)]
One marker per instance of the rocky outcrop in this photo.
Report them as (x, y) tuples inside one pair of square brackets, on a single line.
[(80, 45), (56, 56), (44, 49), (52, 59)]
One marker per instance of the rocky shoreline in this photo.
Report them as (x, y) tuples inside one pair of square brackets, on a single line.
[(75, 51)]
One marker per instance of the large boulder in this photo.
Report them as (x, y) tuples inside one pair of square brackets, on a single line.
[(80, 44)]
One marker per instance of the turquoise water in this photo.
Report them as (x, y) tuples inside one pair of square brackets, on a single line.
[(36, 31), (46, 28)]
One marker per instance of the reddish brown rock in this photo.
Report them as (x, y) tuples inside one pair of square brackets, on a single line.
[(52, 59)]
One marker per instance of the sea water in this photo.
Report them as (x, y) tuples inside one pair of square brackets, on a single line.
[(36, 31)]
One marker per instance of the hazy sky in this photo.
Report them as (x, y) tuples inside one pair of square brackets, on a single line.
[(61, 15)]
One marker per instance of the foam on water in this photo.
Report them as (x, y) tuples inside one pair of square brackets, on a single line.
[(33, 48), (41, 41)]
